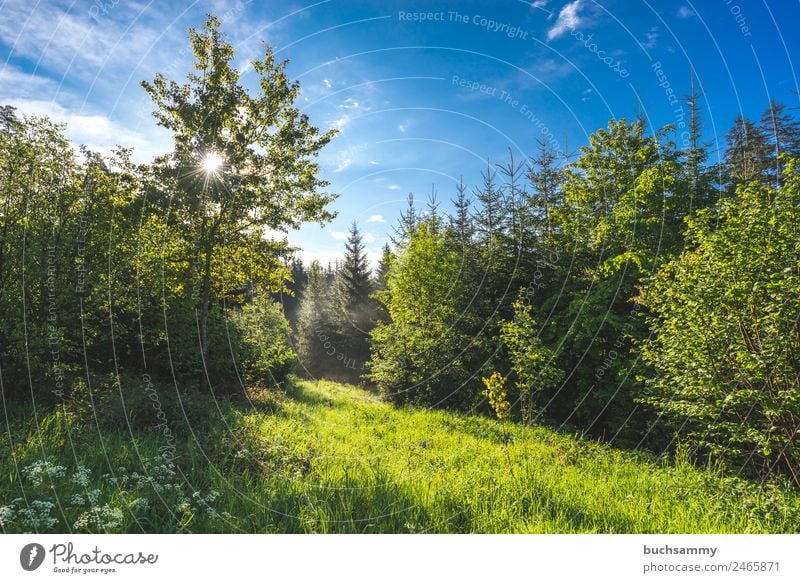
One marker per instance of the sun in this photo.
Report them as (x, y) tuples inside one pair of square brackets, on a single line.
[(211, 163)]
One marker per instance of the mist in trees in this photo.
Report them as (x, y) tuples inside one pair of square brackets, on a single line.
[(337, 310)]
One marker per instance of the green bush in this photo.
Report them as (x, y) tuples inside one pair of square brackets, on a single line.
[(726, 342), (531, 359), (265, 353)]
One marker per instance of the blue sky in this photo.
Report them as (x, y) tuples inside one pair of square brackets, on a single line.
[(422, 92)]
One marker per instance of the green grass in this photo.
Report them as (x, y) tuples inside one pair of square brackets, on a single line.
[(332, 458)]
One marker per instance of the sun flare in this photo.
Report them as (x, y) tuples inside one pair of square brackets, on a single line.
[(211, 163)]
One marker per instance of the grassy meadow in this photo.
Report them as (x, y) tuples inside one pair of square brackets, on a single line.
[(323, 457)]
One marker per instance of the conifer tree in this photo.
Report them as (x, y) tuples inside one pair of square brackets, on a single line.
[(409, 219), (461, 222), (783, 137), (748, 151)]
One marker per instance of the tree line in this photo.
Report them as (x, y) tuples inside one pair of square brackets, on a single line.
[(636, 292)]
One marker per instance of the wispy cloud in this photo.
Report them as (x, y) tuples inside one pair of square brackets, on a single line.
[(354, 155), (376, 219), (393, 187), (70, 40), (686, 12), (348, 110), (344, 165), (368, 238), (17, 84), (327, 83), (339, 235), (97, 132), (651, 38), (568, 19)]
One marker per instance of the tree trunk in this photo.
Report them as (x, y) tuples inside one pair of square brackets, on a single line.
[(205, 300)]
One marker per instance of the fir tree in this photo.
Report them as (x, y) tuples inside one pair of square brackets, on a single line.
[(355, 306)]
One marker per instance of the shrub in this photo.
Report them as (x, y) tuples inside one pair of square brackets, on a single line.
[(726, 322), (265, 353), (531, 360)]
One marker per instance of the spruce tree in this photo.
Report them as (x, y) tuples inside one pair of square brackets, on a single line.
[(461, 222), (355, 309), (382, 272), (747, 155), (409, 218), (782, 136)]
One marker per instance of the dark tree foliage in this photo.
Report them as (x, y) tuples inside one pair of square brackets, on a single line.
[(355, 308)]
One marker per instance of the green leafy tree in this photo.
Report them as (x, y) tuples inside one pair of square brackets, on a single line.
[(532, 362), (417, 354), (241, 164), (619, 218), (265, 352), (39, 187)]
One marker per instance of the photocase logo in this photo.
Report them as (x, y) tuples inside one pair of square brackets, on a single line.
[(31, 556)]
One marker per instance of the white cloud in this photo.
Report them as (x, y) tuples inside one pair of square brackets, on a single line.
[(376, 219), (350, 109), (568, 19), (71, 40), (403, 127), (327, 257), (540, 3), (685, 12), (368, 238), (350, 103), (327, 83), (393, 187), (339, 235), (343, 165), (651, 37), (97, 132), (324, 257), (18, 84), (373, 162)]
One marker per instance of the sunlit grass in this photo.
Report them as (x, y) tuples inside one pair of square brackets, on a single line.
[(332, 458)]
